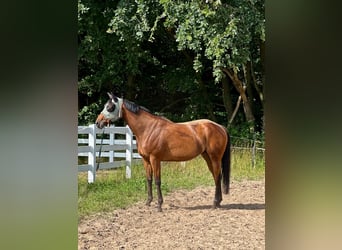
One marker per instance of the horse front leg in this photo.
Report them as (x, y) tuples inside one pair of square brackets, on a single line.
[(149, 192), (157, 180), (160, 196), (148, 169)]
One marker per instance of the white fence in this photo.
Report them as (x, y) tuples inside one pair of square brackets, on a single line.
[(252, 145), (110, 149), (114, 148)]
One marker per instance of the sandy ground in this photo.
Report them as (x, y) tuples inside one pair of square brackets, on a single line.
[(187, 222)]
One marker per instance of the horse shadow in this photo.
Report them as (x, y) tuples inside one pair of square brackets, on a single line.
[(236, 206)]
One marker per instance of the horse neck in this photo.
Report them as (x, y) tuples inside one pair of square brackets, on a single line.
[(138, 122)]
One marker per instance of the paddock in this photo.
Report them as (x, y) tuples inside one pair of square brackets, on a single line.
[(188, 222)]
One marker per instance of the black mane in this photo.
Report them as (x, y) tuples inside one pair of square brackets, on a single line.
[(131, 106)]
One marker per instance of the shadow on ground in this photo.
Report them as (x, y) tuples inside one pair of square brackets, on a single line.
[(239, 206)]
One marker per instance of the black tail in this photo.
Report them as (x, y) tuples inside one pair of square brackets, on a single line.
[(226, 167)]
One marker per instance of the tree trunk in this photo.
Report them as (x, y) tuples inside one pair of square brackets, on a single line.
[(249, 86), (227, 98), (240, 88), (257, 88), (205, 95), (235, 111), (130, 87), (203, 88), (263, 74)]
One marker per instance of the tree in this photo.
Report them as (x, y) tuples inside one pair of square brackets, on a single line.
[(200, 57), (229, 34)]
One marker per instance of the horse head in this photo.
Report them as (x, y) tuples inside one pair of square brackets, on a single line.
[(111, 111)]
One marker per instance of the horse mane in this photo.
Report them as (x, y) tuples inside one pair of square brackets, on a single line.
[(133, 107)]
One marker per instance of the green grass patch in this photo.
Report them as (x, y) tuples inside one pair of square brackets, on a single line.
[(112, 190), (242, 167)]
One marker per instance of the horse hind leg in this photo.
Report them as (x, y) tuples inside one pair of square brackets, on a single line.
[(218, 191), (215, 169)]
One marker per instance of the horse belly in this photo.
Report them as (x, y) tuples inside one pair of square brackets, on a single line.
[(182, 151)]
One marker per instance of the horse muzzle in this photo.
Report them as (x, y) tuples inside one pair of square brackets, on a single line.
[(101, 121)]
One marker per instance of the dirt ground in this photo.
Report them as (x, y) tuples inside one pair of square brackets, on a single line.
[(187, 222)]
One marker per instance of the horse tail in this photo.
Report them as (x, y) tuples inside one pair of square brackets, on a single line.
[(226, 167)]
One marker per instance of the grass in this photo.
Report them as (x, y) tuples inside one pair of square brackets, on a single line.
[(112, 190)]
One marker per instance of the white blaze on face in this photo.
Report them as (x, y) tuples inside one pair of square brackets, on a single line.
[(116, 114)]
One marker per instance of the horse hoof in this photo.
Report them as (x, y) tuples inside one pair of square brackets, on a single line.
[(159, 209), (216, 205), (225, 189)]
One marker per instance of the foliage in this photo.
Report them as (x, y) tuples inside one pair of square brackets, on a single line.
[(167, 55), (88, 113), (222, 32)]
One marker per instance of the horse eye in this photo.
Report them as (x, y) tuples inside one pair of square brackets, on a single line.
[(110, 108)]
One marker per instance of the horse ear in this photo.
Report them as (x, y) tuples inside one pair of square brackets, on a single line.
[(111, 96)]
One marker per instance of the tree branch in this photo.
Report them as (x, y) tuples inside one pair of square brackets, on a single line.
[(240, 88), (235, 110)]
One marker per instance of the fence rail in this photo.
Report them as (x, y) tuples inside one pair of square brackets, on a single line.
[(122, 151), (90, 147)]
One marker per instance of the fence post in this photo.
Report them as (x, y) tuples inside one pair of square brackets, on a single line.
[(111, 142), (92, 154), (253, 151), (129, 152)]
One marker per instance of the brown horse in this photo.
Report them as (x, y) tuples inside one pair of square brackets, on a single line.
[(159, 139)]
